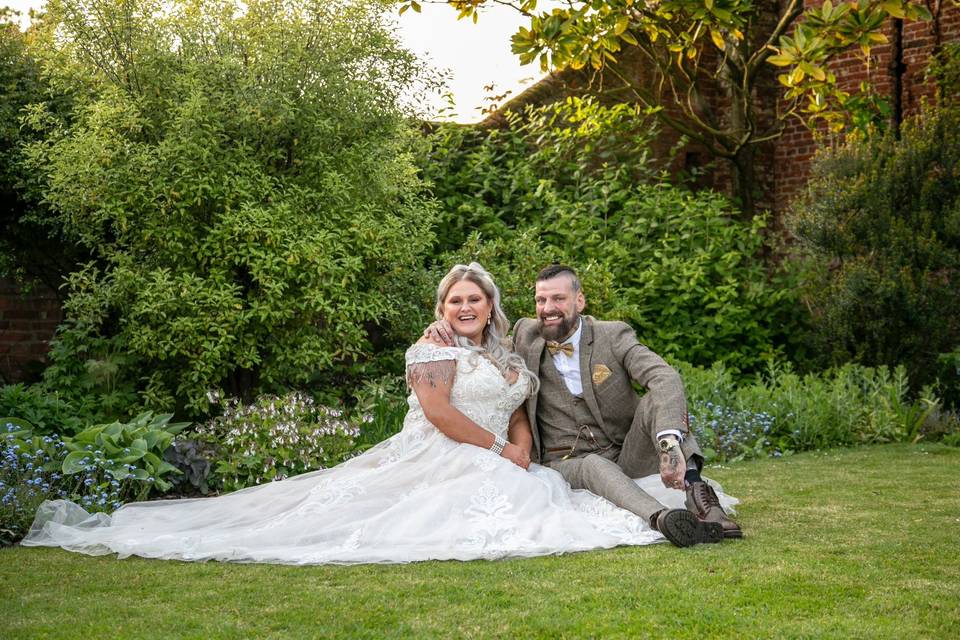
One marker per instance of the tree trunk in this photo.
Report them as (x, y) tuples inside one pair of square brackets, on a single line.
[(740, 129), (745, 181), (897, 69)]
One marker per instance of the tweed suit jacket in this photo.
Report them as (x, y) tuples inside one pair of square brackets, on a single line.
[(611, 360)]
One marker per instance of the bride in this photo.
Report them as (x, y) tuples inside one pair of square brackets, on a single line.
[(455, 483)]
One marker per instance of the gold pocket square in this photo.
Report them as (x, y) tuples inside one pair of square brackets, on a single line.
[(600, 373)]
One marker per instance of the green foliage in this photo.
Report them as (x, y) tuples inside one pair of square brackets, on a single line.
[(28, 252), (783, 412), (192, 458), (241, 175), (944, 70), (45, 412), (382, 407), (29, 475), (491, 180), (95, 374), (682, 267), (276, 437), (881, 222), (690, 274), (99, 469), (126, 451)]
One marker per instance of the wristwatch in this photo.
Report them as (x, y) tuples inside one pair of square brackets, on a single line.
[(668, 442)]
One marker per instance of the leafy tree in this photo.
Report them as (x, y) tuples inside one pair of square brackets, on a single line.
[(709, 61), (241, 174)]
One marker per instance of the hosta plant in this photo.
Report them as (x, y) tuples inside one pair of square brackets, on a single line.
[(121, 451)]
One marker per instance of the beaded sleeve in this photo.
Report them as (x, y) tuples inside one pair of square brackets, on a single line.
[(428, 363)]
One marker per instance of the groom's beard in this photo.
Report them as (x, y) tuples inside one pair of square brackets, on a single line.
[(561, 331)]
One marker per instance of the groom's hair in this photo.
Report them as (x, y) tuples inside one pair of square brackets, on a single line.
[(554, 270)]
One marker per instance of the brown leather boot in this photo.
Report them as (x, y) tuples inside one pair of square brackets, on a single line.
[(684, 529), (702, 501)]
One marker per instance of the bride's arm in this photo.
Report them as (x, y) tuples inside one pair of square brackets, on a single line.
[(432, 381), (519, 431), (433, 392)]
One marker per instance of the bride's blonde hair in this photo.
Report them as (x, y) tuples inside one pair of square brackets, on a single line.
[(494, 340)]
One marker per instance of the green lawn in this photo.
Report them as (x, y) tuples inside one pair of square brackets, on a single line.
[(860, 543)]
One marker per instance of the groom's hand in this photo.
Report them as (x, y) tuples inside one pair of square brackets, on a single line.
[(672, 466), (440, 332)]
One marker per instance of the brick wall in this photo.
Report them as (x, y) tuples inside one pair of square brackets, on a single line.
[(27, 322), (795, 149)]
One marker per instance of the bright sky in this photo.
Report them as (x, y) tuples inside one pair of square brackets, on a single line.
[(476, 55)]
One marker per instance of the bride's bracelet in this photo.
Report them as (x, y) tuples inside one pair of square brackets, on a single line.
[(498, 444)]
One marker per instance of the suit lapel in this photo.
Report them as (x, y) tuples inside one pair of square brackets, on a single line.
[(533, 355), (586, 370)]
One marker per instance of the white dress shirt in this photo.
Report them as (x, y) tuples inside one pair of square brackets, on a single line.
[(569, 366)]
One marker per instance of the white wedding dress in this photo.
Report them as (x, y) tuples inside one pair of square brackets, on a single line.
[(418, 495)]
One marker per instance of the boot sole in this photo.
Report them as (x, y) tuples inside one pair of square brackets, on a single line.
[(684, 529)]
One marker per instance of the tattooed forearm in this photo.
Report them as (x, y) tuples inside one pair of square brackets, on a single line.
[(673, 458)]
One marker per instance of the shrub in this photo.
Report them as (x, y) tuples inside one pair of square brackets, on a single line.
[(574, 182), (96, 375), (493, 180), (275, 438), (46, 412), (881, 219), (382, 406), (242, 180), (783, 412)]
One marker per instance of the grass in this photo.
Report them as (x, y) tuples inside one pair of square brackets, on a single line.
[(859, 543)]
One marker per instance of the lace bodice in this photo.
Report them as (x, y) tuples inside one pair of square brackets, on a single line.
[(479, 389)]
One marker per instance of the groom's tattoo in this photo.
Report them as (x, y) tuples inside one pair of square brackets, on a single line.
[(671, 458), (674, 454)]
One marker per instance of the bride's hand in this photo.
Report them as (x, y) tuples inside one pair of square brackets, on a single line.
[(516, 455), (440, 332)]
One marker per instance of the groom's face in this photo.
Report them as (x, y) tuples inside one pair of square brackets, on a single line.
[(558, 307)]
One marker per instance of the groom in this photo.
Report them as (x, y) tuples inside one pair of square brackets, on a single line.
[(590, 425)]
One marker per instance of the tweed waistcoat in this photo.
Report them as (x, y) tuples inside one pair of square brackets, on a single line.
[(559, 421)]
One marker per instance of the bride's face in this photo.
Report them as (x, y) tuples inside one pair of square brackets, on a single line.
[(467, 308)]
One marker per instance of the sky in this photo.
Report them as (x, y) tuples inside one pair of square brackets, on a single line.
[(473, 55)]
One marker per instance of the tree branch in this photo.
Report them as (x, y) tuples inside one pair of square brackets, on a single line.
[(790, 15)]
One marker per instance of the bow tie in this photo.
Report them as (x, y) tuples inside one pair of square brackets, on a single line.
[(554, 347)]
